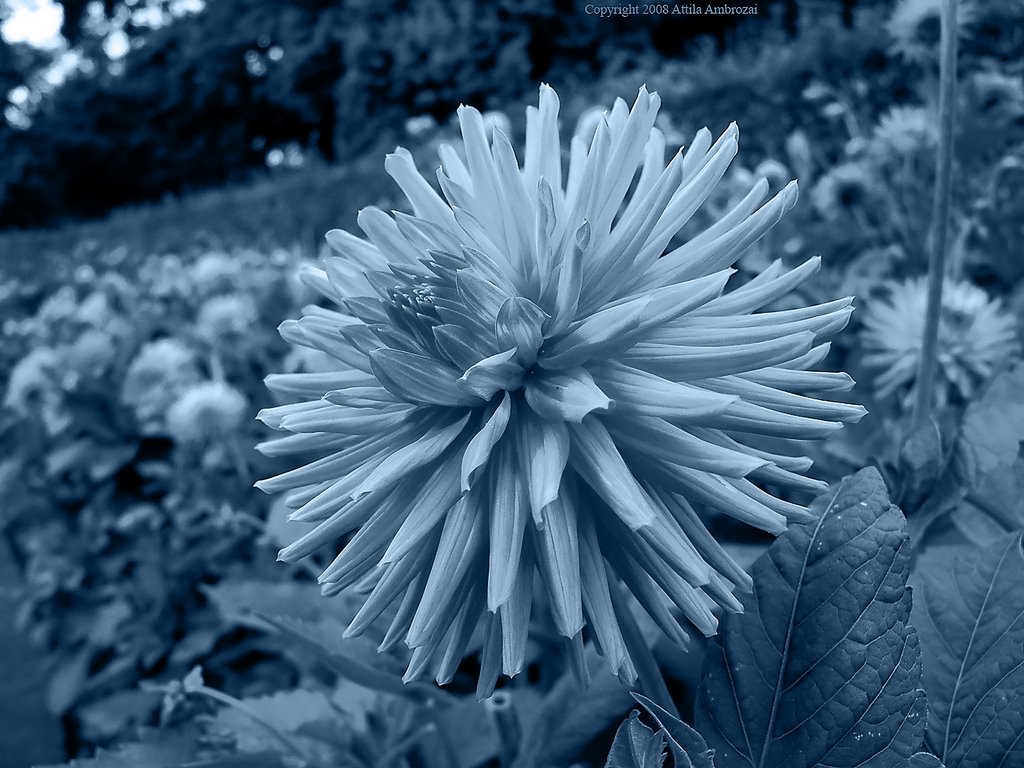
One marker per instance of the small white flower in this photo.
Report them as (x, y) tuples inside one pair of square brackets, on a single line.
[(206, 412), (976, 337), (161, 370)]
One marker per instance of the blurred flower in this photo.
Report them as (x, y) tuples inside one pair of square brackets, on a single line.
[(976, 337), (915, 27), (848, 185), (216, 272), (800, 155), (34, 390), (206, 411), (85, 274), (32, 380), (904, 130), (90, 355), (95, 310), (164, 276), (995, 96), (420, 125), (58, 308), (156, 377), (525, 382), (226, 319)]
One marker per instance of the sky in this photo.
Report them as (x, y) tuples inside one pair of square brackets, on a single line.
[(36, 22)]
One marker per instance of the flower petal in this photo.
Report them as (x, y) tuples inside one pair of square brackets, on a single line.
[(419, 379), (543, 454), (598, 461), (480, 447), (566, 396), (558, 556), (508, 515)]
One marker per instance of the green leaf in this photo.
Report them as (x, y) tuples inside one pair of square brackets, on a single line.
[(170, 749), (68, 680), (288, 711), (822, 669), (353, 658), (688, 747), (921, 461), (569, 718), (992, 428), (239, 600), (924, 760), (971, 622), (636, 746)]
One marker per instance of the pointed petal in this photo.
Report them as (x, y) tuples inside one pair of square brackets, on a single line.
[(566, 395), (508, 516), (419, 379), (479, 449), (598, 461)]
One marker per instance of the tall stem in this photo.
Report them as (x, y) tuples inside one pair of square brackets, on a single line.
[(928, 363)]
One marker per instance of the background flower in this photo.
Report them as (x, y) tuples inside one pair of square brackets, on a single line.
[(914, 27), (160, 372), (206, 411), (977, 336)]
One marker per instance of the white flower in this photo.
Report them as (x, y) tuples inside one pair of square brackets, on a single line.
[(976, 337), (205, 412), (161, 370), (226, 319), (915, 27), (526, 383), (904, 130)]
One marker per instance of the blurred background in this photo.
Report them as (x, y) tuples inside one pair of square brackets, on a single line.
[(168, 165)]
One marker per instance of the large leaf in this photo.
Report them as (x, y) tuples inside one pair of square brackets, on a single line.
[(274, 723), (689, 750), (171, 749), (636, 746), (971, 622), (992, 428), (822, 669), (570, 718)]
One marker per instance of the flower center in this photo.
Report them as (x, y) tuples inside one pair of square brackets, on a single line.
[(412, 310)]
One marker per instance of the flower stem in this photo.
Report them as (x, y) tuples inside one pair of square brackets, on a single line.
[(928, 363), (231, 701)]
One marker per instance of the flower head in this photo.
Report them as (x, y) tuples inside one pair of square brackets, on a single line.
[(976, 336), (216, 272), (915, 26), (32, 377), (159, 373), (206, 411), (34, 389), (90, 355), (226, 319), (530, 383), (904, 130), (845, 186)]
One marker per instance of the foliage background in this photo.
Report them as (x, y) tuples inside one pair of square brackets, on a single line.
[(156, 206)]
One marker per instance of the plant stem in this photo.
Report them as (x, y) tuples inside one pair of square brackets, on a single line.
[(928, 363), (231, 701)]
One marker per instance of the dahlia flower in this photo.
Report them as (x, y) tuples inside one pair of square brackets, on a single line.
[(226, 319), (904, 130), (845, 186), (533, 389), (206, 411), (976, 336), (915, 26), (160, 372)]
